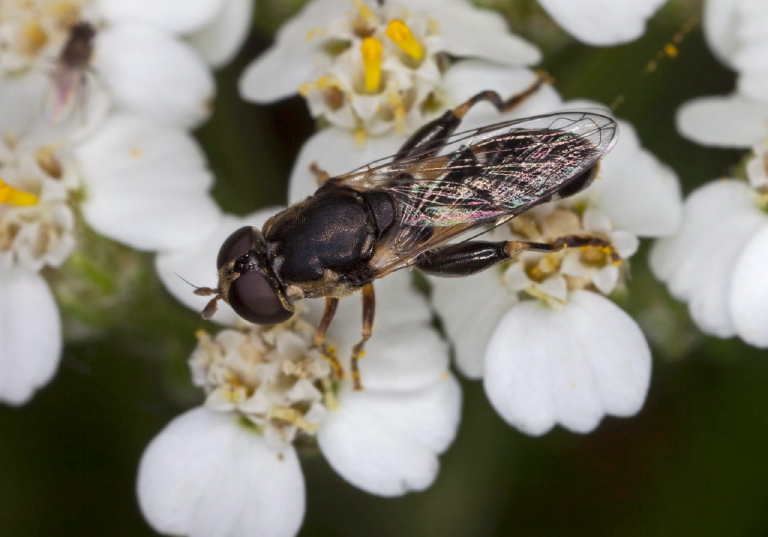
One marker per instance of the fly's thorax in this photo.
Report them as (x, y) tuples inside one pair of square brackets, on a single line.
[(332, 232)]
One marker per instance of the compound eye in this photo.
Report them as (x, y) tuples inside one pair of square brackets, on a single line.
[(254, 299), (237, 245)]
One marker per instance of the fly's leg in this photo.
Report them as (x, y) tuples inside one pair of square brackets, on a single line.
[(328, 353), (358, 351), (321, 176), (430, 138), (470, 257)]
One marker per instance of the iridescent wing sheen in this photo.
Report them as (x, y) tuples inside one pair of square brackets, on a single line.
[(482, 177)]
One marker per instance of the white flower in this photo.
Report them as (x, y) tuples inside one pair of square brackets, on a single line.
[(374, 67), (135, 181), (550, 347), (334, 149), (268, 386), (717, 260), (145, 184), (208, 475), (602, 22), (140, 62), (36, 231), (570, 366), (735, 30)]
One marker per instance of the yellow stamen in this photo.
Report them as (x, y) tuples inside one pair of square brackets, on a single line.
[(366, 16), (46, 159), (314, 33), (329, 396), (8, 194), (67, 13), (32, 38), (398, 108), (322, 83), (371, 49), (360, 136), (398, 32), (293, 417)]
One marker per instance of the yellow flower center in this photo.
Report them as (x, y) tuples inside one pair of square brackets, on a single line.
[(399, 32), (8, 194), (371, 50)]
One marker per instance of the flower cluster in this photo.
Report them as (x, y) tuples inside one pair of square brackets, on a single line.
[(374, 72), (715, 261), (268, 389), (550, 346), (97, 98), (91, 133)]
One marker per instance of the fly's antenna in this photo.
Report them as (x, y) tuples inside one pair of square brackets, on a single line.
[(212, 306)]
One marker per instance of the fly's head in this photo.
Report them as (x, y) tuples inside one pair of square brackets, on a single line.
[(247, 281)]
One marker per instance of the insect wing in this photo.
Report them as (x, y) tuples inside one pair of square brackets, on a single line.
[(482, 177)]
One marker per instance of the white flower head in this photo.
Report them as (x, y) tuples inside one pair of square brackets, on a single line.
[(735, 31), (373, 68), (135, 181), (548, 343), (270, 384), (36, 219), (36, 231), (127, 55), (716, 260), (271, 376)]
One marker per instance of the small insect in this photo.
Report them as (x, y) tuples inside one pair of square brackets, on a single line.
[(409, 210), (69, 76)]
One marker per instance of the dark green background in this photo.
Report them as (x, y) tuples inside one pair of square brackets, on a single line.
[(693, 462)]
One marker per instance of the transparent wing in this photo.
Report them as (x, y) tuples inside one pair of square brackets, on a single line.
[(481, 177)]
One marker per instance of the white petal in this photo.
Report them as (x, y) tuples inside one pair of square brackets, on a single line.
[(206, 475), (469, 77), (749, 299), (720, 20), (732, 121), (21, 100), (479, 33), (404, 357), (698, 262), (146, 184), (220, 39), (154, 74), (470, 309), (336, 151), (606, 278), (175, 16), (294, 59), (197, 264), (754, 85), (625, 242), (570, 367), (602, 22), (387, 444), (30, 335), (636, 190)]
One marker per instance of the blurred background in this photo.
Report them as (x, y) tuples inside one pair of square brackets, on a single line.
[(693, 462)]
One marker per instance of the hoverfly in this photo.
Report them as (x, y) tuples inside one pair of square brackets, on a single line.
[(407, 210), (69, 75)]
